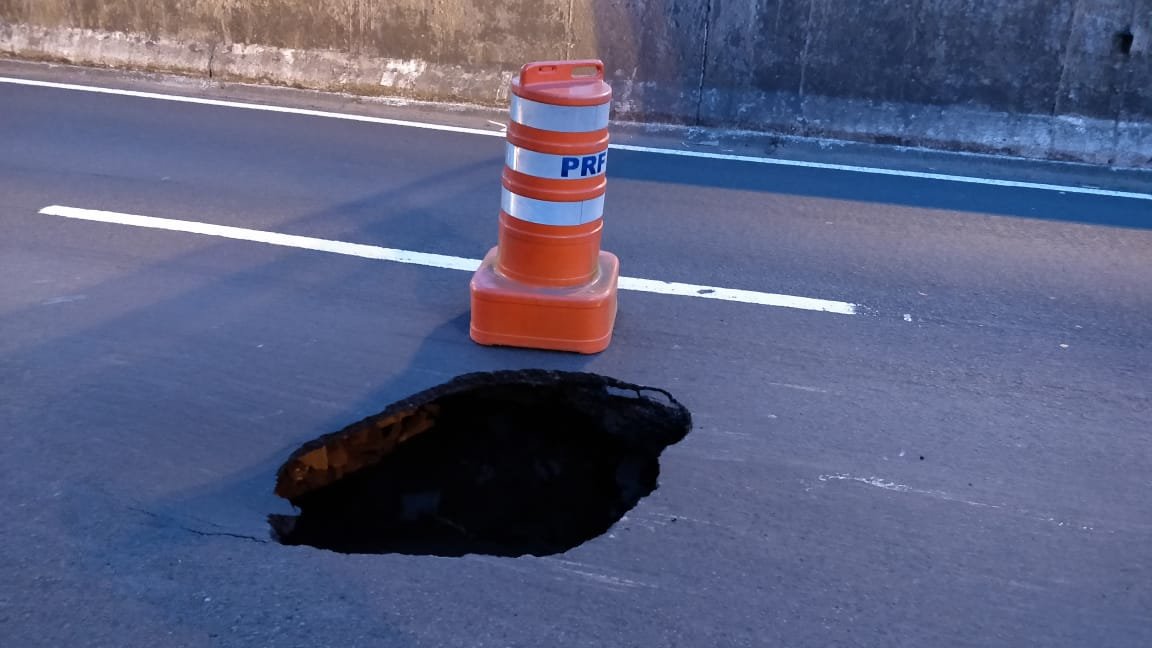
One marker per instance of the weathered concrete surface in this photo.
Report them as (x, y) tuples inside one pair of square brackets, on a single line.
[(653, 51), (1045, 78), (1038, 77), (462, 50)]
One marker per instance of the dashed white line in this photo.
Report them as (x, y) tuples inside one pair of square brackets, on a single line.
[(885, 484), (271, 238), (435, 260), (223, 103), (736, 295), (805, 388)]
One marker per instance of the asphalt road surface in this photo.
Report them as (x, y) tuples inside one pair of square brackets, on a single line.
[(966, 461)]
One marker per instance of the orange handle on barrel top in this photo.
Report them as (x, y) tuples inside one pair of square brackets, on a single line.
[(553, 71)]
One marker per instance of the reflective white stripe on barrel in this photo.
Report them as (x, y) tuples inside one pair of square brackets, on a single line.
[(555, 167), (561, 119), (546, 212)]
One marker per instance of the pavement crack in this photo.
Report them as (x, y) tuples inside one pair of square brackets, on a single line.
[(703, 63), (569, 34), (171, 522), (223, 534)]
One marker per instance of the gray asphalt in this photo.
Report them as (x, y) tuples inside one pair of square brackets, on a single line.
[(976, 476)]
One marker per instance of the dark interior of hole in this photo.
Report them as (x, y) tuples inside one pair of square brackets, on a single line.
[(506, 469), (1122, 43)]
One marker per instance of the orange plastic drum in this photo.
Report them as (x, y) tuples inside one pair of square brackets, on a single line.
[(547, 284)]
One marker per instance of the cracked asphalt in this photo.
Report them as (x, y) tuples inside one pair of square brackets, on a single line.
[(966, 463)]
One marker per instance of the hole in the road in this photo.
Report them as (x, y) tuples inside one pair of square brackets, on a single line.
[(505, 463), (1122, 43)]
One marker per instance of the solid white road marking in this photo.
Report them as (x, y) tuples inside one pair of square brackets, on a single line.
[(1093, 191), (435, 260), (221, 103)]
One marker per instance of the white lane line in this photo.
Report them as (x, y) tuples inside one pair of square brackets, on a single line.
[(222, 103), (736, 295), (1092, 191), (271, 238), (435, 260)]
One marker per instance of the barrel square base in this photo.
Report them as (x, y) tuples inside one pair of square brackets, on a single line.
[(580, 318)]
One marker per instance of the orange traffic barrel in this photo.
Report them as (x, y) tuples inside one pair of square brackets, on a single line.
[(547, 284)]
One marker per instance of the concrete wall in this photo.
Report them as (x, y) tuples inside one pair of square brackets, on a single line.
[(1052, 78)]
